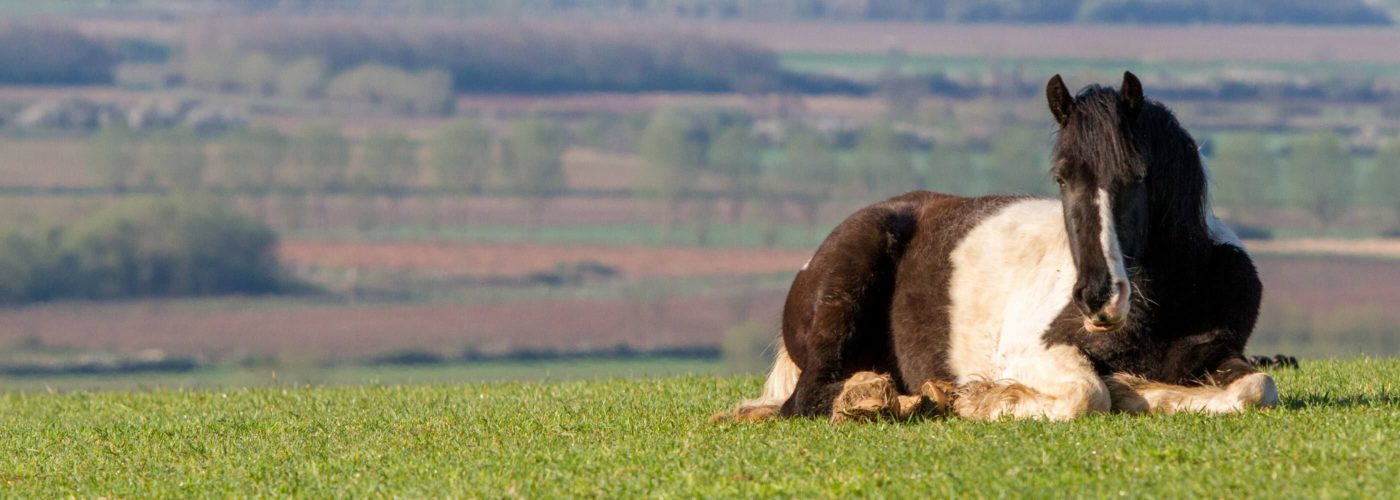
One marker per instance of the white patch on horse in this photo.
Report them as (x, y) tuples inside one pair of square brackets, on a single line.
[(1012, 276), (805, 264), (1256, 390), (1220, 233), (1113, 256)]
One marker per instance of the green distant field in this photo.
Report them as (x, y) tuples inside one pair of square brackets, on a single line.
[(868, 65), (1335, 435)]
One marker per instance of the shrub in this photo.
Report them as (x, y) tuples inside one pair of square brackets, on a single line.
[(181, 247), (425, 92)]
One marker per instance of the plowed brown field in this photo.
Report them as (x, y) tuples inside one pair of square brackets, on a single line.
[(346, 332)]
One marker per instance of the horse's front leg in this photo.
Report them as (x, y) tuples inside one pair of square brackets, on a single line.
[(1237, 386), (1053, 383)]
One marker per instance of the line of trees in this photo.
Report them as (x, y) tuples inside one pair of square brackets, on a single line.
[(693, 158), (462, 156), (374, 86), (1312, 171), (703, 164), (1051, 11), (46, 54), (307, 57), (691, 154)]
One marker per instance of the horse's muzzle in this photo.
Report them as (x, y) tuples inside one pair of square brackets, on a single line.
[(1111, 317)]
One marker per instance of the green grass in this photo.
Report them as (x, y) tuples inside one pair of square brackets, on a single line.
[(348, 375), (1335, 435)]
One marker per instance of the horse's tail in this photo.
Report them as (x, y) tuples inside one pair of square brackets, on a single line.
[(782, 380)]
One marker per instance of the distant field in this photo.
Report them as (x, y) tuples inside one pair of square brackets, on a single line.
[(290, 330), (292, 375), (867, 65), (1124, 42), (413, 301), (517, 259), (1333, 436)]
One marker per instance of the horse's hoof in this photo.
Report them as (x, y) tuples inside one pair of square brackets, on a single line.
[(939, 394), (1255, 391), (866, 396)]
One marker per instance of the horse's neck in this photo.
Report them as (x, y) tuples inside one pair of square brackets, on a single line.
[(1178, 250)]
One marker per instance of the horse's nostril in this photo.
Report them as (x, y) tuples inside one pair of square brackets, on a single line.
[(1092, 300)]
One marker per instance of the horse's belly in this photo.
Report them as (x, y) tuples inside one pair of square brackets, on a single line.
[(1012, 276)]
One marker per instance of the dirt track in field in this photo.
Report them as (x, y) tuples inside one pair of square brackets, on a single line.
[(1375, 247), (511, 259)]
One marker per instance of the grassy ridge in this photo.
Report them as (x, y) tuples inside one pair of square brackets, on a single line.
[(1334, 435)]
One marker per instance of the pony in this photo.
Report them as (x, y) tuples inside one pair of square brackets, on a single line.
[(1126, 293)]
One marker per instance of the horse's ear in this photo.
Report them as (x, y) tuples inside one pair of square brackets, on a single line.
[(1061, 103), (1130, 95)]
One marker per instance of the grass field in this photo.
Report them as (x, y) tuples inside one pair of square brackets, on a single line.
[(1335, 435), (232, 377)]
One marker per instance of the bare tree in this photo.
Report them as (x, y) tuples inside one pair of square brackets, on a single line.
[(1322, 176), (532, 160), (1242, 175), (674, 157), (321, 157), (112, 155), (735, 154), (251, 159), (177, 155), (390, 161), (460, 155)]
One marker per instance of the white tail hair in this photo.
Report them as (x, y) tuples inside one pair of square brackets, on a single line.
[(781, 382)]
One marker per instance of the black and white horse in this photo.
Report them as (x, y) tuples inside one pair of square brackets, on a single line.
[(1126, 293)]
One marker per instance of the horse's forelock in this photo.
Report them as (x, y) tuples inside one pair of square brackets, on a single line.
[(1094, 136)]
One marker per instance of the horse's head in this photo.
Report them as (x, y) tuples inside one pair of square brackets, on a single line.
[(1113, 150)]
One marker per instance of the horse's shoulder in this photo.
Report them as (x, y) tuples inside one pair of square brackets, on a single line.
[(1231, 278)]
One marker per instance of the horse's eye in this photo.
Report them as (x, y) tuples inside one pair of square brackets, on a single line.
[(1059, 180)]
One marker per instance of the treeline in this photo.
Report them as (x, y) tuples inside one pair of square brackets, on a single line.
[(703, 164), (44, 54), (1342, 12), (694, 159), (689, 154), (462, 156), (139, 249), (481, 57), (1313, 172)]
